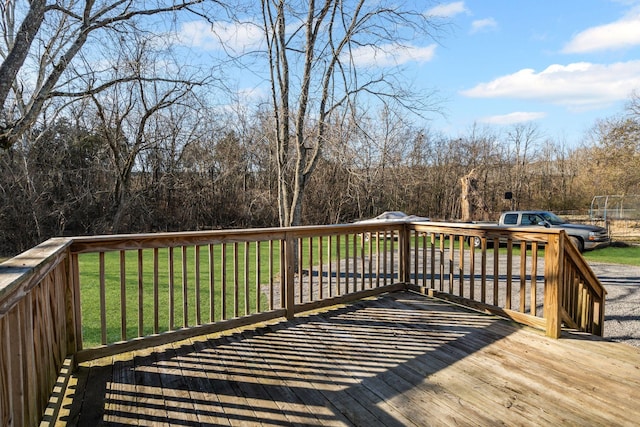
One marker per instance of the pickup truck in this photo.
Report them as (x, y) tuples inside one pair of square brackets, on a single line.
[(584, 236)]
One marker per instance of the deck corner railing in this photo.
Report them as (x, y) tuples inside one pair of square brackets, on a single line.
[(534, 276), (38, 314)]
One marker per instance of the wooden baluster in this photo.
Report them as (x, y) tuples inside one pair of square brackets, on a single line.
[(310, 268), (496, 270), (156, 291), (171, 290), (185, 286), (247, 292), (320, 268), (509, 290), (196, 256), (523, 276), (472, 270), (223, 282), (212, 281), (123, 297), (140, 295), (236, 281), (534, 278), (461, 266), (258, 278), (103, 301)]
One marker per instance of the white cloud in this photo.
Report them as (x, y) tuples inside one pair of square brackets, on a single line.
[(483, 24), (447, 10), (392, 55), (579, 85), (513, 118), (251, 94), (236, 36), (616, 35)]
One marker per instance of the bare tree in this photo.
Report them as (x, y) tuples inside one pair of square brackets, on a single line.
[(41, 40), (523, 140), (136, 116), (472, 204), (312, 49), (615, 155)]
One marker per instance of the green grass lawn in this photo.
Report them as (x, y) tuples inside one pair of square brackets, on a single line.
[(173, 296), (615, 254), (176, 290)]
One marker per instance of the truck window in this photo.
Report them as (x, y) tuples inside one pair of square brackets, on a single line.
[(511, 219)]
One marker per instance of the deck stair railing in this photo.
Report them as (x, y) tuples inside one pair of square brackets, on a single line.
[(70, 300)]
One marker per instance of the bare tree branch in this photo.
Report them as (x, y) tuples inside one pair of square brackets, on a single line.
[(314, 74), (85, 21)]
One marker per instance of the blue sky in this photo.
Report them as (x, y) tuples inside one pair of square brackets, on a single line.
[(561, 64)]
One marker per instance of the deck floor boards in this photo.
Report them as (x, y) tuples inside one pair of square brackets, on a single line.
[(394, 360)]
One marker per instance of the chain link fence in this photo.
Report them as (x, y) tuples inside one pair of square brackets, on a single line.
[(620, 213)]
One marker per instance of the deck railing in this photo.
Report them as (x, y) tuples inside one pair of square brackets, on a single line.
[(534, 276), (71, 300)]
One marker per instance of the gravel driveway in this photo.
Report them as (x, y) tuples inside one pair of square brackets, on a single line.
[(622, 305)]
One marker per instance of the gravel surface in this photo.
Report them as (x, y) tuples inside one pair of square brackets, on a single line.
[(622, 305)]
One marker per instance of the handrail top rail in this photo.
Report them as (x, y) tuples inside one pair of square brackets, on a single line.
[(167, 239), (106, 242), (20, 273)]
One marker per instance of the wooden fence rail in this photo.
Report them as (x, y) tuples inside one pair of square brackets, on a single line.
[(70, 300)]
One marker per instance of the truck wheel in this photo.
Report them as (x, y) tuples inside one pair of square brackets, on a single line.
[(576, 241), (476, 242), (473, 241)]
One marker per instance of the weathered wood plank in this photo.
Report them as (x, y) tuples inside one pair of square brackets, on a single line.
[(296, 381), (235, 405), (397, 359), (455, 390), (334, 376), (503, 391), (147, 386), (120, 402), (386, 381), (272, 398), (86, 401)]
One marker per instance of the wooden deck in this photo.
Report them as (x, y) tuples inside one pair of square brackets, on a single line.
[(398, 359)]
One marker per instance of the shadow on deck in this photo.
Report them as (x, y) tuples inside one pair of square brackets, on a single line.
[(397, 359)]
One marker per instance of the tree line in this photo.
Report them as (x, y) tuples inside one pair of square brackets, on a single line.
[(205, 174)]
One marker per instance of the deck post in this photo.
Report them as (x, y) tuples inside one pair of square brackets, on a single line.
[(405, 259), (553, 267), (289, 275)]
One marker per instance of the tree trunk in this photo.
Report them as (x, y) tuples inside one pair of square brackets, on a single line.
[(472, 205)]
